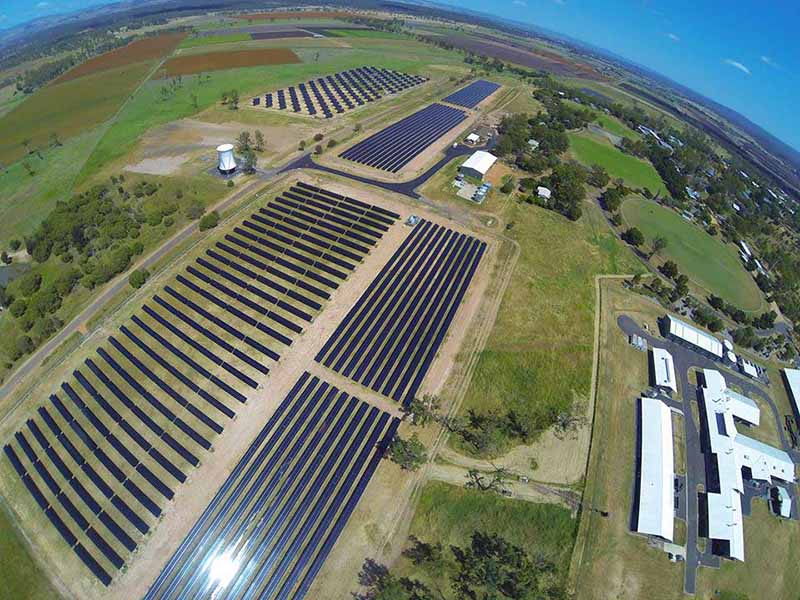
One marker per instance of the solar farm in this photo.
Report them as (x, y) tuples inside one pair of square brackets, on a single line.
[(389, 339), (338, 93), (472, 95), (394, 147)]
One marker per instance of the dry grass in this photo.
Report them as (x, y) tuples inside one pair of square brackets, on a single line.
[(296, 14), (217, 61), (146, 49)]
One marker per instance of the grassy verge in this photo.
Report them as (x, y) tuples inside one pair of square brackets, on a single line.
[(709, 263)]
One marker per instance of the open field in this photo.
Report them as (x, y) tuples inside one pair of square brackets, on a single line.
[(708, 262), (616, 127), (283, 15), (20, 576), (67, 109), (637, 173), (538, 357), (143, 50), (207, 40), (448, 514), (610, 562), (219, 61)]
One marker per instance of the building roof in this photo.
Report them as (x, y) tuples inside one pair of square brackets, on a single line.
[(664, 369), (480, 161), (695, 336), (793, 383), (734, 451), (748, 368), (656, 500), (473, 137), (543, 192)]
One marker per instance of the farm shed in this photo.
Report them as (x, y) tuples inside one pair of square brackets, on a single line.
[(478, 164)]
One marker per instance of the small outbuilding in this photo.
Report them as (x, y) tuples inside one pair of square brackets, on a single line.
[(473, 138), (478, 164), (543, 193)]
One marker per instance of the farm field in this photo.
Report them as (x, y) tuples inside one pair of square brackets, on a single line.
[(448, 515), (617, 127), (143, 50), (67, 109), (208, 40), (709, 263), (218, 61), (637, 173), (537, 360)]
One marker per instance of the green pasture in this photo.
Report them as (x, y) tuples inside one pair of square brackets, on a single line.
[(637, 173), (207, 40), (708, 262), (20, 578)]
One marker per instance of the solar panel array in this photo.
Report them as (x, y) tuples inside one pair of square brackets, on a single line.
[(339, 92), (473, 94), (274, 521), (390, 337), (106, 451), (398, 144)]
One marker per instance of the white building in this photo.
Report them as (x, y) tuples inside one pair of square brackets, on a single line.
[(663, 369), (656, 515), (478, 164), (473, 138), (745, 248), (702, 341), (734, 452), (533, 144), (792, 379), (543, 192)]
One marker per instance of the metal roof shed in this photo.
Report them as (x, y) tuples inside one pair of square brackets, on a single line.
[(656, 503), (478, 164), (664, 369)]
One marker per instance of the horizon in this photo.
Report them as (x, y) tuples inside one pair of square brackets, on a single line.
[(753, 75)]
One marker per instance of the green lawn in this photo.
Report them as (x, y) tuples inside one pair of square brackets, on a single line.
[(449, 514), (20, 577), (192, 42), (636, 173), (708, 262), (617, 127)]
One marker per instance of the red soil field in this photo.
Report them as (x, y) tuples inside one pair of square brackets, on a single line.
[(216, 61), (297, 14), (149, 48)]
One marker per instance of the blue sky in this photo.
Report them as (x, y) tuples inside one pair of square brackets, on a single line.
[(742, 53)]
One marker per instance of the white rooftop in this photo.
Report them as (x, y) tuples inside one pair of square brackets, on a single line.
[(480, 161), (793, 383), (656, 503), (694, 336), (543, 192), (664, 369), (473, 138)]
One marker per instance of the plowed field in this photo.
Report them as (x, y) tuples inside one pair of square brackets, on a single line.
[(216, 61)]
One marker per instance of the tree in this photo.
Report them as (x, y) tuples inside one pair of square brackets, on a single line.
[(243, 142), (331, 143), (138, 278), (249, 162), (422, 411), (318, 149), (14, 245), (485, 482), (410, 454), (195, 210), (193, 98), (716, 302), (633, 236), (659, 244), (508, 186), (318, 137), (29, 283), (259, 144), (669, 269), (598, 177), (209, 221), (234, 100)]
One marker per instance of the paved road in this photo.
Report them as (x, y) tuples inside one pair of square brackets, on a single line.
[(685, 358), (406, 188), (112, 289)]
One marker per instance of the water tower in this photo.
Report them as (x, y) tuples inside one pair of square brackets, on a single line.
[(227, 163)]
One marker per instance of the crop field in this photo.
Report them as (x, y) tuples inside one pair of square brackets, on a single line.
[(398, 144), (708, 262), (296, 14), (637, 173), (343, 91), (103, 455), (207, 40), (389, 339), (278, 515), (66, 109), (143, 50), (218, 61)]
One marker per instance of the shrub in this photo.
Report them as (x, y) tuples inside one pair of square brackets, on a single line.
[(230, 183), (138, 278), (18, 307), (318, 149), (331, 143), (14, 245), (29, 283), (209, 221), (318, 137), (195, 210)]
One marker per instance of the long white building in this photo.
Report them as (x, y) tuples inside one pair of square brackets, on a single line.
[(700, 340), (656, 515), (732, 453), (792, 377), (663, 369)]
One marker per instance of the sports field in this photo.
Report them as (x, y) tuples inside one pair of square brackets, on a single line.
[(636, 173), (708, 262)]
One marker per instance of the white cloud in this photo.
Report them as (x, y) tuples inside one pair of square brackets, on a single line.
[(737, 65), (769, 61), (673, 37)]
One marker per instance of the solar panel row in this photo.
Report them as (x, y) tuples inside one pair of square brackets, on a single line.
[(472, 95), (276, 517), (398, 144), (143, 405), (390, 337), (340, 92)]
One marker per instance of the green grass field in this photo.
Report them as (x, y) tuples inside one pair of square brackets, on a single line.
[(708, 262), (636, 173), (538, 356), (20, 577), (67, 109), (364, 34), (617, 127), (192, 42), (449, 514)]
